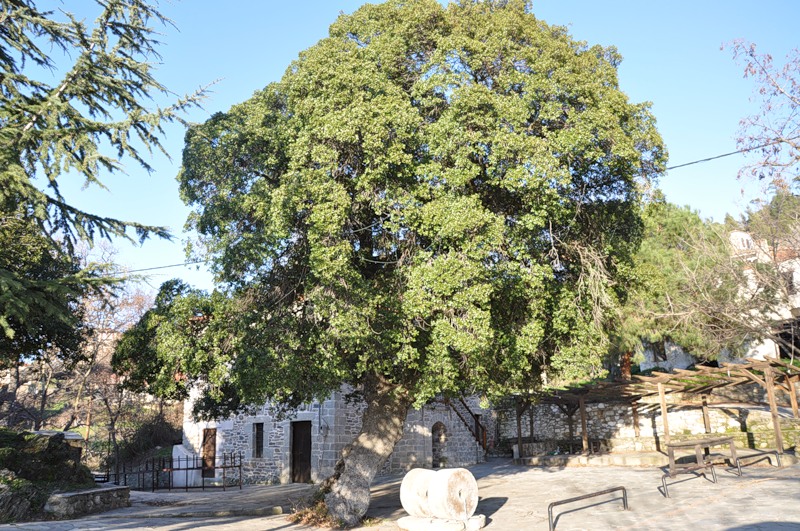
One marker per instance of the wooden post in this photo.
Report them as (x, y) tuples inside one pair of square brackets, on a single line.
[(635, 409), (519, 428), (773, 407), (706, 419), (584, 432), (664, 419), (793, 396)]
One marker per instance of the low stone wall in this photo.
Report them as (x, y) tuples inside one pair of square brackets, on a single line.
[(760, 440), (76, 504), (739, 412)]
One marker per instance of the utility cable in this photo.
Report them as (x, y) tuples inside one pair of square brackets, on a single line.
[(699, 161), (745, 150), (163, 267)]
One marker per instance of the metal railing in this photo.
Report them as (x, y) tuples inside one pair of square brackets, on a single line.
[(760, 455), (584, 497), (225, 471)]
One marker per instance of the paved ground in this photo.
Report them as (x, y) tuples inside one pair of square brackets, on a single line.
[(512, 497)]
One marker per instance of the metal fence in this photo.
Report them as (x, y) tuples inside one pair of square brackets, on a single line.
[(224, 471)]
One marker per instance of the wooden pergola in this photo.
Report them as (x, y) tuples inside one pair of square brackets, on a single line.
[(772, 374)]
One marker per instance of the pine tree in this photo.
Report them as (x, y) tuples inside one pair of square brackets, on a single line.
[(86, 123)]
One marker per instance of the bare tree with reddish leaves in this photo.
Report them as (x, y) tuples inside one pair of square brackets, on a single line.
[(774, 131)]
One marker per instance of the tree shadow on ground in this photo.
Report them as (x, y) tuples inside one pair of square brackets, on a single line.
[(489, 506)]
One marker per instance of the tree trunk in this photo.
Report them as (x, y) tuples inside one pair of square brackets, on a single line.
[(47, 379), (625, 364), (79, 394), (13, 406), (347, 492)]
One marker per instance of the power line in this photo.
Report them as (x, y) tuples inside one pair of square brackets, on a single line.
[(165, 266), (745, 150), (699, 161)]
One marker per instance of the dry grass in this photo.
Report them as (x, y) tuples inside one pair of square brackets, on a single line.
[(316, 515)]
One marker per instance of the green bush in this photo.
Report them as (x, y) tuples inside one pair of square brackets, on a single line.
[(156, 432)]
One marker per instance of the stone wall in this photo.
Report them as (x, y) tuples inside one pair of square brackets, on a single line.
[(334, 424), (415, 449), (76, 504), (611, 426), (235, 435)]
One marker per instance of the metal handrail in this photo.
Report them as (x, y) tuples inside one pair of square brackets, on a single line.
[(152, 469), (760, 455), (584, 497)]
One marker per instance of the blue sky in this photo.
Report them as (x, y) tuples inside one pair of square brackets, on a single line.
[(672, 58)]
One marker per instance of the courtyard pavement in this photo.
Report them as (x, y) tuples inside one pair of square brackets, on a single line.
[(513, 497)]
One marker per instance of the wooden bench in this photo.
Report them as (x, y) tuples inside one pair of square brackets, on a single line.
[(699, 445), (701, 462)]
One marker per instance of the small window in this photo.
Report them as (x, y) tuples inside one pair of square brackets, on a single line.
[(258, 439)]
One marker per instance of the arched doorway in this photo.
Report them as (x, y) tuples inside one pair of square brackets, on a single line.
[(439, 445)]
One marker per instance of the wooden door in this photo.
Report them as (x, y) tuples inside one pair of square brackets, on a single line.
[(209, 451), (301, 452)]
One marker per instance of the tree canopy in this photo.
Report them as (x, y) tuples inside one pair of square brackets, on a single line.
[(431, 199), (51, 286), (83, 124), (775, 225), (440, 196), (172, 324), (689, 287)]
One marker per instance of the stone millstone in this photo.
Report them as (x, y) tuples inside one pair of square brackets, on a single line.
[(453, 494), (414, 492)]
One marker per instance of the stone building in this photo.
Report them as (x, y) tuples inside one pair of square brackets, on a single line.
[(306, 446)]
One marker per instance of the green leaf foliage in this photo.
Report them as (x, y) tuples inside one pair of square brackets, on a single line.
[(442, 198), (165, 344), (48, 129), (74, 102), (40, 295)]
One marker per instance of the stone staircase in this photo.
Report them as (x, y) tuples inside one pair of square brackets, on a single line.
[(470, 420)]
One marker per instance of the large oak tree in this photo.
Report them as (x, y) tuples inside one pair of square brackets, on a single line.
[(430, 200)]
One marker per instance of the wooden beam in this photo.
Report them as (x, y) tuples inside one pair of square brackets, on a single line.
[(781, 363), (773, 408), (584, 432), (664, 420), (753, 377), (793, 397), (706, 418)]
